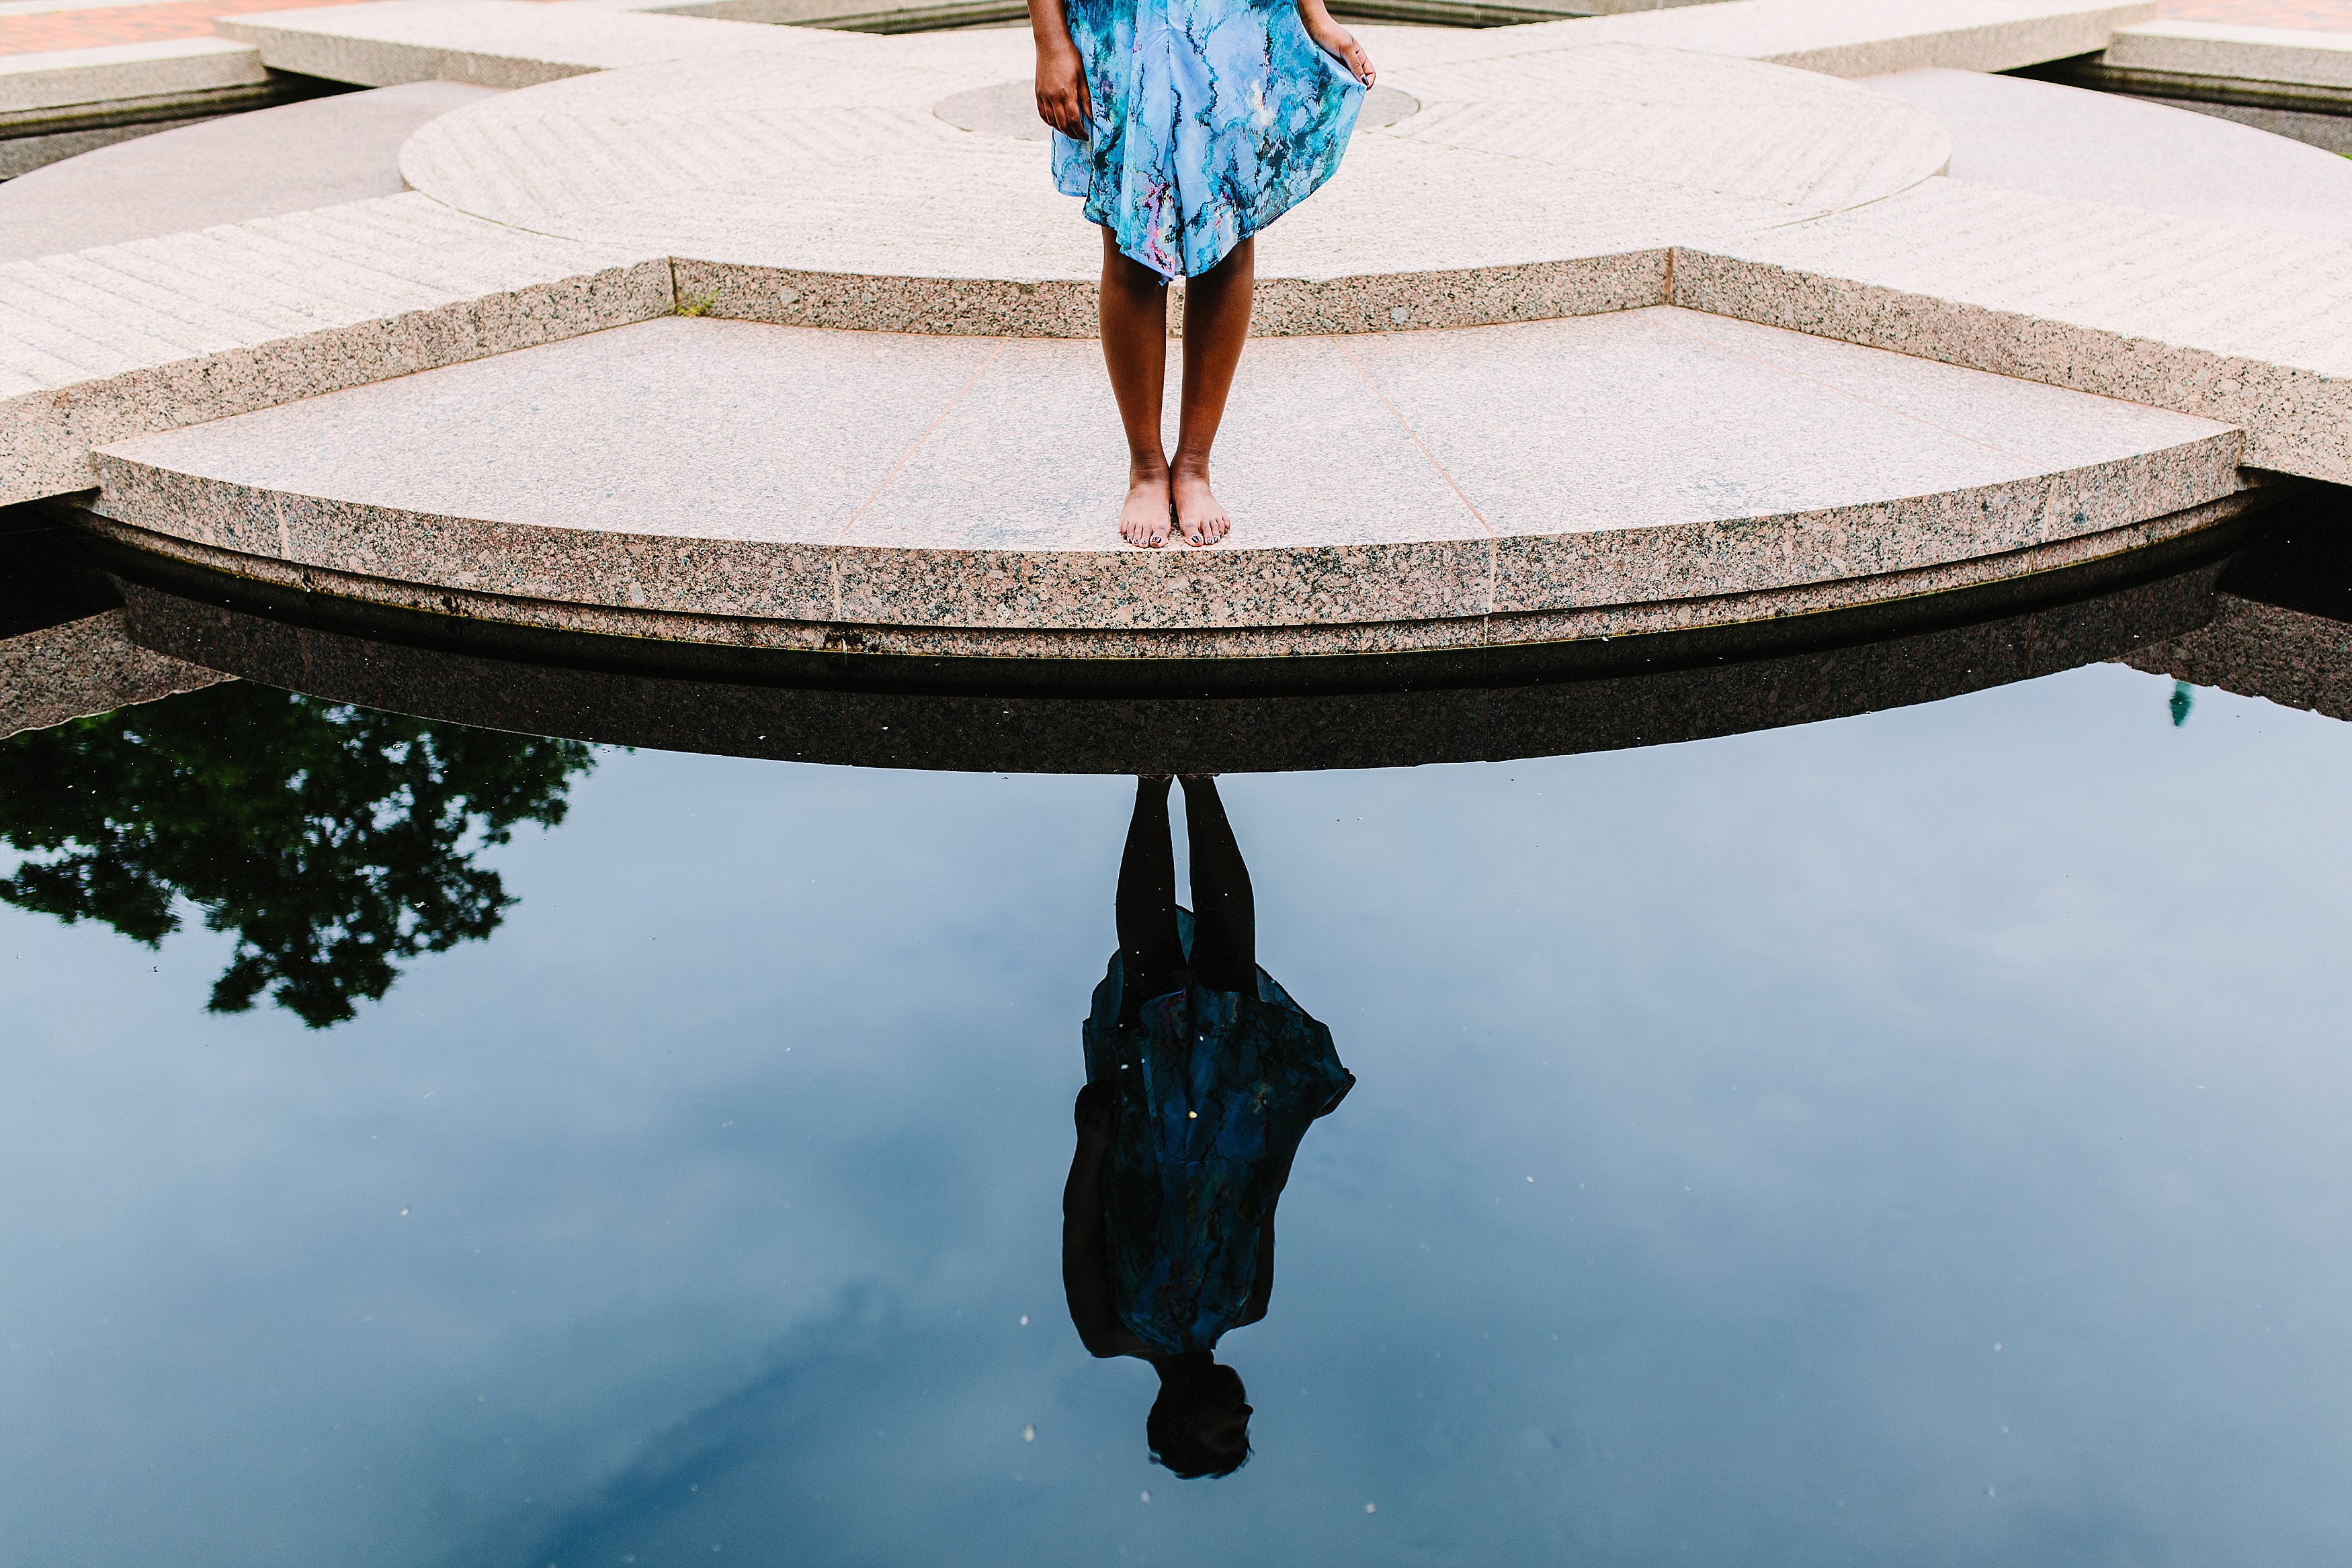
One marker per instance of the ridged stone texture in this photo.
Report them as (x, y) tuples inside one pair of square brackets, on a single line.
[(840, 164)]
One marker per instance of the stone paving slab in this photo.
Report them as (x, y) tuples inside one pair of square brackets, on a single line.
[(2245, 326), (1836, 37), (1593, 469), (68, 77), (44, 27), (502, 43), (102, 343), (511, 42), (2025, 135), (821, 185), (318, 152), (2314, 16), (2247, 54)]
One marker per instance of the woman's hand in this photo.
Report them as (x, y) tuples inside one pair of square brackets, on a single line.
[(1337, 41), (1062, 101)]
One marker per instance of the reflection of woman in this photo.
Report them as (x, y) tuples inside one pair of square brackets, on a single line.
[(1202, 1075)]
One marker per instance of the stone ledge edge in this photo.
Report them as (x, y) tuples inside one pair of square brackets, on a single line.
[(1355, 592), (1112, 645)]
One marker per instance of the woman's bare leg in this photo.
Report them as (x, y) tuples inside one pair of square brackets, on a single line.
[(1216, 325), (1135, 348)]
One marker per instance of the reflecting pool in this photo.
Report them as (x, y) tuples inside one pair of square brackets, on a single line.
[(1914, 1135)]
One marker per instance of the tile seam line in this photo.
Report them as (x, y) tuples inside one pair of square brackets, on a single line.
[(1873, 402), (1429, 458), (917, 445)]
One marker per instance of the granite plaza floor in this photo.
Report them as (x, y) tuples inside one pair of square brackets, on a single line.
[(697, 330)]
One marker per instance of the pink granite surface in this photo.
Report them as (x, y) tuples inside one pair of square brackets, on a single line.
[(1396, 491)]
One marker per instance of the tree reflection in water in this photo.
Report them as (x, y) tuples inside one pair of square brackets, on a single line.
[(336, 842)]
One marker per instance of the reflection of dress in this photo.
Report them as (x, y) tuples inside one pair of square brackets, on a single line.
[(1215, 1089), (1212, 118)]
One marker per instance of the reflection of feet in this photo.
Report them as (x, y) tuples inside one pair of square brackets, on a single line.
[(1199, 515), (1143, 521)]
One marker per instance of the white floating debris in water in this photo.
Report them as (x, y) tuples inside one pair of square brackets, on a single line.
[(1024, 1319), (1531, 1181), (1372, 1508), (404, 1214), (1996, 1344), (1146, 1497), (1192, 1116), (1029, 1433)]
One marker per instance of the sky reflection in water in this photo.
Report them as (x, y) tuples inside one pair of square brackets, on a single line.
[(1912, 1138)]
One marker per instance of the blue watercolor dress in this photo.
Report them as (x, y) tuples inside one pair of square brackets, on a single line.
[(1212, 118), (1185, 1197)]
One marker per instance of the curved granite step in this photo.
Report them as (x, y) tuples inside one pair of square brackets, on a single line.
[(733, 482)]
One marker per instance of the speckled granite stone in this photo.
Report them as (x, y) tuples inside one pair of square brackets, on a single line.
[(150, 335), (58, 78), (1845, 37), (491, 43), (833, 192), (2025, 135), (943, 493), (2251, 328), (2246, 54)]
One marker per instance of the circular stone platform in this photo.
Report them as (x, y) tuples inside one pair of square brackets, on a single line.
[(865, 182), (800, 489)]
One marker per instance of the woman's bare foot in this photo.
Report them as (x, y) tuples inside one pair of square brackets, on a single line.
[(1199, 515), (1143, 521)]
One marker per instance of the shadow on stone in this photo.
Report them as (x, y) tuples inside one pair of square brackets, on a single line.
[(1591, 695)]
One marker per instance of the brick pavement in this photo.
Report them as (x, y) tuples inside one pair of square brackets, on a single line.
[(28, 33)]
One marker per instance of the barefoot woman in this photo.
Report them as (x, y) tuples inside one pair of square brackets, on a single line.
[(1187, 125)]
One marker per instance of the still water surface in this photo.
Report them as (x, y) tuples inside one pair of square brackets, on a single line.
[(1913, 1138)]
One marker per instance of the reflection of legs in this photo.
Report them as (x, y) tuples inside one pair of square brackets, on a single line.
[(1149, 951), (1225, 942)]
